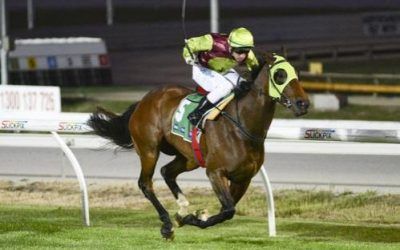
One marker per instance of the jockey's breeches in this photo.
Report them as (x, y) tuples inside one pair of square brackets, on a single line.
[(218, 85)]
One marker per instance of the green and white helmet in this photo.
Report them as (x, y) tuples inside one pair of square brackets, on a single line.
[(241, 38)]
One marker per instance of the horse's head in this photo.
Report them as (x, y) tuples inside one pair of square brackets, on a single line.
[(284, 87)]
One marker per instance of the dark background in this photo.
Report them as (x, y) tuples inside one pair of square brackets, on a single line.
[(146, 38)]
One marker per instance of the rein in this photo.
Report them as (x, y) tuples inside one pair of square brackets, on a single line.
[(285, 101), (239, 125)]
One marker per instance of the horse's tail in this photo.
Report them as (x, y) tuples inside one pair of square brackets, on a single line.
[(112, 126)]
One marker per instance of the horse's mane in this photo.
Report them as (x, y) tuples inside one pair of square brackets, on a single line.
[(268, 57), (264, 58)]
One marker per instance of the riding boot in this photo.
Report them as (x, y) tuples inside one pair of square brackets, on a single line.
[(198, 113)]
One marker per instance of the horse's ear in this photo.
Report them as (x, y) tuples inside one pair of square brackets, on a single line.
[(268, 57)]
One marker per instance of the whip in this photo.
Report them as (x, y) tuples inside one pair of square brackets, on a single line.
[(184, 28)]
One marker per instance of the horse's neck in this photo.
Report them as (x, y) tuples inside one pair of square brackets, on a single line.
[(256, 112), (256, 109)]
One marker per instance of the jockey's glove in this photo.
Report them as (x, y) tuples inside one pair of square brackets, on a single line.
[(242, 88), (190, 61), (244, 85)]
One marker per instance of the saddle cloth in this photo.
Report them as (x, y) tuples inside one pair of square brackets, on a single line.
[(180, 123)]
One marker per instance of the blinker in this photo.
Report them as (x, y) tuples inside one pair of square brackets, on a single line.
[(280, 76), (281, 73)]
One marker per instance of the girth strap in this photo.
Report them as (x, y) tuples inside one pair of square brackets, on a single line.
[(196, 148)]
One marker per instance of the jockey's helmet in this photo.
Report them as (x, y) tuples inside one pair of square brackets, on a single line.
[(241, 38)]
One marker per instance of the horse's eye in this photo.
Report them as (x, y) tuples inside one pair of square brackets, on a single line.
[(280, 76)]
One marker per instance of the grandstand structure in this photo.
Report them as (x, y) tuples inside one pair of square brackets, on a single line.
[(78, 61), (144, 37)]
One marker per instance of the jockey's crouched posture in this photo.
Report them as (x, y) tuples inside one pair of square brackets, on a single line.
[(213, 57)]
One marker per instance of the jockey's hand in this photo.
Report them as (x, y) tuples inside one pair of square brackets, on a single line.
[(242, 88), (245, 85), (190, 61)]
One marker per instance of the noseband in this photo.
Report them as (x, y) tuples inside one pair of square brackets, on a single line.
[(283, 100)]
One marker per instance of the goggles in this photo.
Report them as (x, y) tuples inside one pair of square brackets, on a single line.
[(241, 50)]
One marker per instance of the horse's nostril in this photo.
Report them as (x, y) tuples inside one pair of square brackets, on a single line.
[(302, 104)]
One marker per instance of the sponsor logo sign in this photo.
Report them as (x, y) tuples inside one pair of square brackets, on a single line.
[(11, 124), (318, 134), (32, 63), (14, 64), (52, 62), (381, 24), (86, 61), (104, 61), (30, 99), (71, 126)]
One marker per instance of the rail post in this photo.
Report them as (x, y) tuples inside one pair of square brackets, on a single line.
[(270, 201)]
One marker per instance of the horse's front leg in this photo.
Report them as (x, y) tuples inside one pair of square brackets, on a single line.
[(238, 189), (169, 173), (220, 186)]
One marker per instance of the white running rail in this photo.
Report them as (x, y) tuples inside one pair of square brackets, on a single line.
[(314, 130)]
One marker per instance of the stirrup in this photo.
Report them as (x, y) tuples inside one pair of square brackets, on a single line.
[(197, 115), (195, 120)]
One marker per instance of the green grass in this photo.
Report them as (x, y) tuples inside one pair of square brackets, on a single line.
[(90, 105), (306, 219), (91, 91), (349, 112), (86, 99), (34, 227)]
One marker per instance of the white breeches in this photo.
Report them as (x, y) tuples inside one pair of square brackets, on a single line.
[(218, 85)]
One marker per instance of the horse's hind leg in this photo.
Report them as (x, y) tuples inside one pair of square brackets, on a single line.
[(148, 160), (170, 172)]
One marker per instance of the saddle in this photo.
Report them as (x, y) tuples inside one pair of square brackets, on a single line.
[(180, 123)]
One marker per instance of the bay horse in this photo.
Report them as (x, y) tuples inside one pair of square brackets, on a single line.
[(233, 148)]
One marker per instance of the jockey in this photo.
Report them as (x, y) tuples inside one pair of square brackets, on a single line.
[(213, 57)]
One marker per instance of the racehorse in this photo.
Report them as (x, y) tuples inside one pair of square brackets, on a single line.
[(232, 145)]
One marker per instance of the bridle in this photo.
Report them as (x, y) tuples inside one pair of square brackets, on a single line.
[(289, 75), (283, 99)]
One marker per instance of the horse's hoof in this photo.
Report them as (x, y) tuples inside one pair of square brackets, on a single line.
[(179, 220), (169, 237), (202, 214), (167, 233)]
